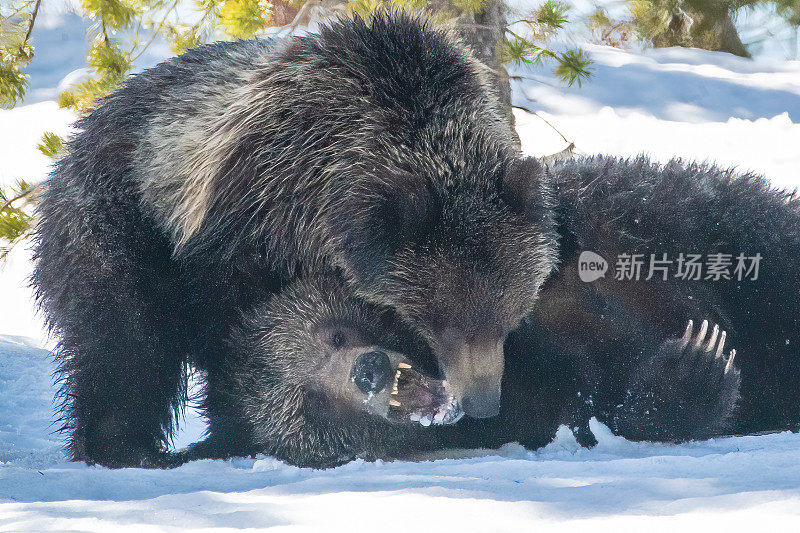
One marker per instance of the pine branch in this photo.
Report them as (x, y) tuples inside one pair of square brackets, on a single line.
[(532, 112), (33, 21), (155, 32), (566, 153), (105, 34), (303, 16), (18, 10), (517, 77), (27, 192)]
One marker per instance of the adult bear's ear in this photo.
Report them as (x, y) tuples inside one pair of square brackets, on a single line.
[(380, 216), (402, 207), (525, 188)]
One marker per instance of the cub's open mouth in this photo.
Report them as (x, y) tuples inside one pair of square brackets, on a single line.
[(416, 397)]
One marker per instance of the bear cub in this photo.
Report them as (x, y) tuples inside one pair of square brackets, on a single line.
[(317, 377)]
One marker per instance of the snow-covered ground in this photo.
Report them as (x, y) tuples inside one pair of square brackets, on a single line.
[(687, 103), (734, 484)]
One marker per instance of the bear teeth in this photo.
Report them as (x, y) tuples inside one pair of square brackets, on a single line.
[(396, 379)]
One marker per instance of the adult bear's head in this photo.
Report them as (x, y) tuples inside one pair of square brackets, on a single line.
[(377, 147), (462, 260), (323, 378)]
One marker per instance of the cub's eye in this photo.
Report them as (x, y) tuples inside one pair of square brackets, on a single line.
[(371, 372), (338, 339)]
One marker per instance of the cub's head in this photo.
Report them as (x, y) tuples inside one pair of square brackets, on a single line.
[(326, 378), (461, 259)]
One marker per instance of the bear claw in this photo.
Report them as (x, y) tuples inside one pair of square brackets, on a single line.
[(729, 365), (714, 344), (698, 341)]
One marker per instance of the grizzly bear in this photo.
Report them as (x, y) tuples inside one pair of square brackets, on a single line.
[(210, 181), (317, 377), (693, 329)]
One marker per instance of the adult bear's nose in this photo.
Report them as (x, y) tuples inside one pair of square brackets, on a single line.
[(474, 372), (482, 400)]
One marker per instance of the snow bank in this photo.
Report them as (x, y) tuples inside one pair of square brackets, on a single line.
[(667, 103), (21, 130)]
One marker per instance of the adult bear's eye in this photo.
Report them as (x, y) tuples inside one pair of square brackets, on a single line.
[(371, 372)]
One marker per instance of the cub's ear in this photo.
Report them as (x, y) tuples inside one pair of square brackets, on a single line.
[(526, 189)]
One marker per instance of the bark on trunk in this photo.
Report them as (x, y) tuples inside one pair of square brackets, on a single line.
[(723, 37), (702, 24), (484, 33)]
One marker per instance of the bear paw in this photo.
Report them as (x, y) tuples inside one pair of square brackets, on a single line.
[(687, 389)]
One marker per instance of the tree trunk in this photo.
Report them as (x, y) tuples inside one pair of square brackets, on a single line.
[(484, 33), (728, 36), (714, 30), (703, 24)]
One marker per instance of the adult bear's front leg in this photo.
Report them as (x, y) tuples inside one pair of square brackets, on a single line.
[(119, 396), (113, 297)]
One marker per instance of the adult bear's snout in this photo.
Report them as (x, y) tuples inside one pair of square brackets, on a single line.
[(474, 372)]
